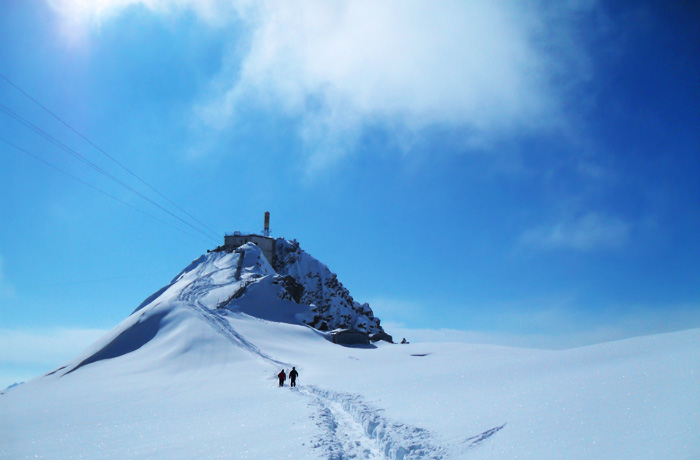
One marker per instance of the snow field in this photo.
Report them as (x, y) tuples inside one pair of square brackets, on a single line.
[(216, 398), (181, 378)]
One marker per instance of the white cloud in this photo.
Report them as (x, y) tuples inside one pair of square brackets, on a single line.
[(489, 67), (590, 231)]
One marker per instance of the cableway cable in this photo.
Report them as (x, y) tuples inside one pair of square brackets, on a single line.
[(77, 155), (38, 158), (86, 139)]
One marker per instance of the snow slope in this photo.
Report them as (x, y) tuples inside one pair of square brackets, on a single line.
[(191, 374)]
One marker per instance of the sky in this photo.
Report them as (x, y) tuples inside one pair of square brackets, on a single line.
[(519, 173)]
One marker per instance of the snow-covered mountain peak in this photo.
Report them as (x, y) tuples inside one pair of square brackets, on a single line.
[(242, 279)]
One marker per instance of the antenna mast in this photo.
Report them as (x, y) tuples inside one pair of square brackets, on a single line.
[(266, 230)]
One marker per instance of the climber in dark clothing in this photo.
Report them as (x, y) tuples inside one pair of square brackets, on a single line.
[(293, 377), (282, 376)]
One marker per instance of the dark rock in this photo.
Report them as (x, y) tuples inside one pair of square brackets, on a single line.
[(377, 336), (292, 286), (350, 337)]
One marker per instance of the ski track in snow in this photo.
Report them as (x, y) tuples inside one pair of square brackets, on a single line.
[(355, 430), (192, 294), (474, 441), (342, 437)]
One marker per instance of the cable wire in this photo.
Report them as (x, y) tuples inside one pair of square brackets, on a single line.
[(77, 155), (78, 133), (38, 158)]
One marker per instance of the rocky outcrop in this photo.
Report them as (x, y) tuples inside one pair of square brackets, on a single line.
[(317, 286)]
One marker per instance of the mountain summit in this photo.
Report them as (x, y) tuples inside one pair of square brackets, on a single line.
[(272, 279), (238, 280)]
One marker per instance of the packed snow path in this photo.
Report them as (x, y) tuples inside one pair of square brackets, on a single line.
[(354, 429), (192, 295), (342, 437)]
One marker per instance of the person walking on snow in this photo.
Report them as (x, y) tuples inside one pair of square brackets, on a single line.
[(293, 377), (282, 376)]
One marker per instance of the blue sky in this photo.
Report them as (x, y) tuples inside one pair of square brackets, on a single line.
[(506, 172)]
